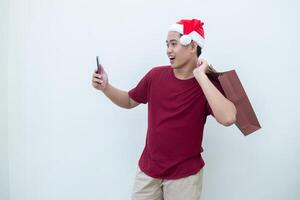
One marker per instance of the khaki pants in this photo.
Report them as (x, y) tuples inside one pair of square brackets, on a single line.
[(148, 188)]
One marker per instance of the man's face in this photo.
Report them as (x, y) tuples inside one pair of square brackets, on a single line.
[(178, 54)]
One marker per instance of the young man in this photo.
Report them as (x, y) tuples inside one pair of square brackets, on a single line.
[(180, 97)]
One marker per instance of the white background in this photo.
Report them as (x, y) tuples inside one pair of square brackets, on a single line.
[(62, 139)]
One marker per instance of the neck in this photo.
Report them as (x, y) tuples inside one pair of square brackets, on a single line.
[(186, 71)]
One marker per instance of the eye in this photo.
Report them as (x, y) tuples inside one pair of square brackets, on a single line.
[(172, 44)]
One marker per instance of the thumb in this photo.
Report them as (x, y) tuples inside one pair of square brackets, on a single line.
[(101, 69)]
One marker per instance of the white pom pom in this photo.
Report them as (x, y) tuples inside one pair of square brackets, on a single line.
[(185, 40)]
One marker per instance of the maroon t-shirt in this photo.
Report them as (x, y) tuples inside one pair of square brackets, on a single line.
[(177, 111)]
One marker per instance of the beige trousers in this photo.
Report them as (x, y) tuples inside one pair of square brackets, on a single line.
[(148, 188)]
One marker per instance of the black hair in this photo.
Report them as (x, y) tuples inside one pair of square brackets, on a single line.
[(199, 49)]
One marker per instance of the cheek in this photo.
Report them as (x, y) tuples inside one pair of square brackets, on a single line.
[(178, 52), (181, 55)]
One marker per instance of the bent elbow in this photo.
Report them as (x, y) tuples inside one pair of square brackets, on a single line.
[(229, 121)]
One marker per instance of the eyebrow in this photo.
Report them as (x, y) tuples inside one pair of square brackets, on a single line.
[(172, 40)]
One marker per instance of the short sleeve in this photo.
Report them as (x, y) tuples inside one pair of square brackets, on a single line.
[(140, 93), (219, 87)]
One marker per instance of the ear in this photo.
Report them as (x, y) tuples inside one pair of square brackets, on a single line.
[(194, 47)]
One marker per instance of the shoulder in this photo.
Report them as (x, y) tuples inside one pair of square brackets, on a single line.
[(158, 69), (156, 72)]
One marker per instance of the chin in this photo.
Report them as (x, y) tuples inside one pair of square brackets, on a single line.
[(173, 66)]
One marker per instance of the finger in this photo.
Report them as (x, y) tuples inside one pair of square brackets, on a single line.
[(212, 68), (95, 84), (97, 80), (100, 81), (97, 75)]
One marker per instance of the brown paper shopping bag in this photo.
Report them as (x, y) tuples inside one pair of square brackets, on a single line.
[(247, 121)]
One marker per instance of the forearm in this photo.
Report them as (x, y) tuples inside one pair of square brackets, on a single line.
[(117, 96), (224, 110)]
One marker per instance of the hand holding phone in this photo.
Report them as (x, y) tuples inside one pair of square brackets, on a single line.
[(100, 79)]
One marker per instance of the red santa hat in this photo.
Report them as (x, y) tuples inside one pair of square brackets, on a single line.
[(191, 30)]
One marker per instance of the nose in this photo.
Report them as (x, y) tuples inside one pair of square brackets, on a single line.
[(169, 50)]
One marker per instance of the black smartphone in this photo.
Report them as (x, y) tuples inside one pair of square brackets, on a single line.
[(98, 66)]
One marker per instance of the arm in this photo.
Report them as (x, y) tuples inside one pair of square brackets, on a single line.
[(224, 110), (119, 97)]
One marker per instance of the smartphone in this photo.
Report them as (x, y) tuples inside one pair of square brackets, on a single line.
[(98, 66)]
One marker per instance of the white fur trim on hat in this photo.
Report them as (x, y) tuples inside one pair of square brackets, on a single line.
[(177, 28), (197, 38), (185, 40)]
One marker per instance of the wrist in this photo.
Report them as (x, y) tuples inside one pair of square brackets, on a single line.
[(105, 90), (200, 75)]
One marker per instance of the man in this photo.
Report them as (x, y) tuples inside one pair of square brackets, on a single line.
[(180, 97)]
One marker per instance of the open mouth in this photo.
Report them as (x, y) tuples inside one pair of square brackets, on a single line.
[(171, 59)]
